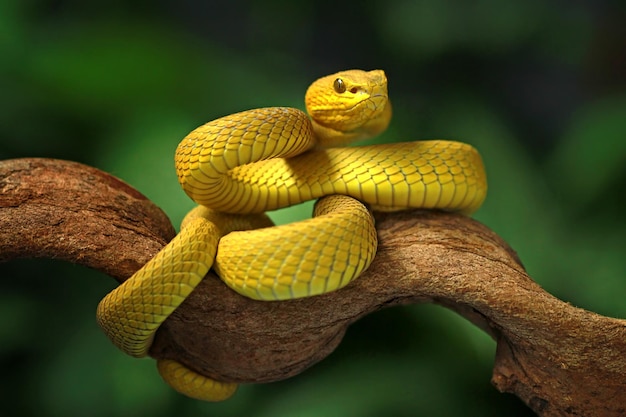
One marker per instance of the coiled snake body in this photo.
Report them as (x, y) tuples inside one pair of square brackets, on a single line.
[(241, 165)]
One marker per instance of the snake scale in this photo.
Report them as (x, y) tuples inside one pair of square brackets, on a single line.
[(241, 165)]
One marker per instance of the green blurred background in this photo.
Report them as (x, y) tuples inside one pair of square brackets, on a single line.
[(538, 87)]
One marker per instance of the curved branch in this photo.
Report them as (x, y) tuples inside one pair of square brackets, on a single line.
[(66, 210), (559, 359)]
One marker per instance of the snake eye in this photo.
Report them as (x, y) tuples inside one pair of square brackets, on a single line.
[(339, 86)]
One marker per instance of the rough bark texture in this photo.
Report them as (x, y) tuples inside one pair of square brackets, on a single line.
[(560, 360)]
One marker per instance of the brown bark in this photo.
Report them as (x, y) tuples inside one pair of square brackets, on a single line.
[(560, 360)]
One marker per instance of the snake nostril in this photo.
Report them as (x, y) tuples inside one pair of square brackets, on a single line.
[(354, 90)]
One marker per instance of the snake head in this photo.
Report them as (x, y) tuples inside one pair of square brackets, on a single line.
[(348, 105)]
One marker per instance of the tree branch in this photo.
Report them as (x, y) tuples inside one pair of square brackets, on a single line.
[(560, 360)]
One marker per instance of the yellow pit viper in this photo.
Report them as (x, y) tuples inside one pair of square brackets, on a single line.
[(239, 166)]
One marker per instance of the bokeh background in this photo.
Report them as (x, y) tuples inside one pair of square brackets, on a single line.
[(538, 86)]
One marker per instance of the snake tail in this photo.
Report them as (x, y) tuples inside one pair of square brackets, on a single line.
[(192, 384)]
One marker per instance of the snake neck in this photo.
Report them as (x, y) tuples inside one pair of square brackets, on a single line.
[(327, 137)]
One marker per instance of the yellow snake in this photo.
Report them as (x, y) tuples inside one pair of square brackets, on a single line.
[(241, 165)]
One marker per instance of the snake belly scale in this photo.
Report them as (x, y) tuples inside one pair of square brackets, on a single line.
[(241, 165)]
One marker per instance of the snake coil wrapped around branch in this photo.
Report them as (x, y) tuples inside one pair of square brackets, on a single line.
[(241, 165), (560, 360)]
